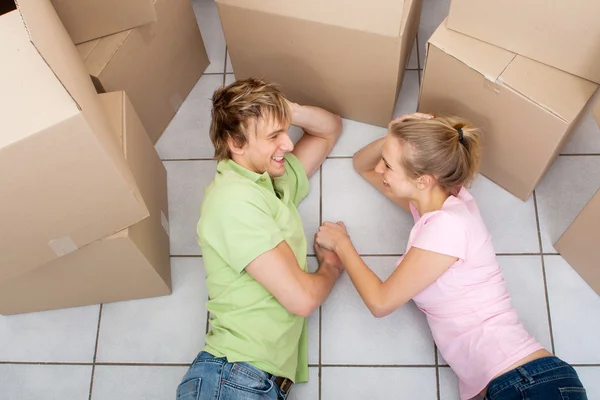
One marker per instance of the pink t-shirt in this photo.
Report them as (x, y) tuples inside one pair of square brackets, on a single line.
[(468, 308)]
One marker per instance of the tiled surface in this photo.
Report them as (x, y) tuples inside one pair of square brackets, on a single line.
[(142, 348)]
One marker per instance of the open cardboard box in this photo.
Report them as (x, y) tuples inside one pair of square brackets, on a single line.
[(90, 19), (156, 64), (65, 181)]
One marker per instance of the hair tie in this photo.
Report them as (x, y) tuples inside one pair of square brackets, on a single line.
[(460, 134)]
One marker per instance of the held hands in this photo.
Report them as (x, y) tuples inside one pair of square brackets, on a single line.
[(329, 258), (330, 235)]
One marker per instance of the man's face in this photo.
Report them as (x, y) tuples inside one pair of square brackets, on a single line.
[(268, 142)]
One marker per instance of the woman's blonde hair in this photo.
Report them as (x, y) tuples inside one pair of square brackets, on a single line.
[(444, 147), (236, 105)]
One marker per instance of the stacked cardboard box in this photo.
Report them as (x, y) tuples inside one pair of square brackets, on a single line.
[(525, 73), (346, 56), (84, 216)]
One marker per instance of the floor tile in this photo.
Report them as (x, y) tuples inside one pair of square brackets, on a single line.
[(574, 308), (229, 67), (590, 377), (376, 225), (585, 138), (525, 281), (186, 181), (448, 384), (567, 186), (188, 136), (355, 383), (510, 220), (313, 323), (168, 329), (309, 211), (47, 382), (413, 61), (308, 390), (434, 12), (67, 335), (136, 383), (352, 335), (212, 33)]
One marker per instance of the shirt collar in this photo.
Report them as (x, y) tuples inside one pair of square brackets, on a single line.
[(231, 166)]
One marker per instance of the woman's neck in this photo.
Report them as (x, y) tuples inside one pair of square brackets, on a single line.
[(430, 200)]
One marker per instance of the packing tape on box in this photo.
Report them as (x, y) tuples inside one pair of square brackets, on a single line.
[(63, 246), (165, 223)]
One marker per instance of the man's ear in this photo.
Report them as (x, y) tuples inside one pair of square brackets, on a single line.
[(234, 147)]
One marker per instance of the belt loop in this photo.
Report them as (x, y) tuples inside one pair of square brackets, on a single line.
[(525, 374)]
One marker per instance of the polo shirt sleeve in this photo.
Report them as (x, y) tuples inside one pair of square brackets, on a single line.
[(443, 233), (240, 228), (296, 178)]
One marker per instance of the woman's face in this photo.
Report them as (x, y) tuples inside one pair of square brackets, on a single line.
[(392, 172)]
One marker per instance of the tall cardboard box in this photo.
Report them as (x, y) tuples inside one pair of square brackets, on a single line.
[(157, 64), (90, 19), (525, 109), (564, 34), (345, 56), (131, 264), (597, 112), (580, 242), (63, 177)]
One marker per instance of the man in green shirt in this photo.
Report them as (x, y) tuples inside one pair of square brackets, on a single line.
[(254, 247)]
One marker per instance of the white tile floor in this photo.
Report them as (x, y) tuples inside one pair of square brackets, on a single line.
[(139, 350)]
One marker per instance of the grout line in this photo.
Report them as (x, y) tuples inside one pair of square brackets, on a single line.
[(537, 221), (320, 307), (133, 364), (377, 366), (212, 73), (418, 52), (580, 155), (83, 364), (95, 351), (186, 255), (437, 369), (225, 64)]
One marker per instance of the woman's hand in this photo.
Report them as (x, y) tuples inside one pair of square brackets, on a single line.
[(330, 235)]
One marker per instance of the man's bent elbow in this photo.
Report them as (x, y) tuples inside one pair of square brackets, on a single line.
[(303, 308)]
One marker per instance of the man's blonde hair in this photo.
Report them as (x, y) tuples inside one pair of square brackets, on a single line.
[(236, 106), (446, 148)]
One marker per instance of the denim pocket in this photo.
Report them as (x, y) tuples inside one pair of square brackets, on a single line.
[(189, 390), (247, 379), (573, 393)]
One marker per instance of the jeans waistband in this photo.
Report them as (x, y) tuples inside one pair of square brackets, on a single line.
[(227, 365), (528, 372)]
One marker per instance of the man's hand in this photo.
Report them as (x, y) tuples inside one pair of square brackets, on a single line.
[(328, 257), (330, 235)]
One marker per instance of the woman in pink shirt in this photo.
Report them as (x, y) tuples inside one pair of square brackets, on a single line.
[(449, 268)]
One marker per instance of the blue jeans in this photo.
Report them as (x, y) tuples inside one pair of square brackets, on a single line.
[(211, 378), (547, 378)]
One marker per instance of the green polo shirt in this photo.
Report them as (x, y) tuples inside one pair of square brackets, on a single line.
[(243, 215)]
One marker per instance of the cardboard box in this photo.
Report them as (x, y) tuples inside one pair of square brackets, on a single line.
[(157, 65), (90, 19), (65, 182), (526, 109), (597, 112), (564, 34), (131, 264), (345, 56), (579, 243)]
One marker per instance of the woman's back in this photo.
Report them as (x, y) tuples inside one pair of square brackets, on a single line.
[(468, 308)]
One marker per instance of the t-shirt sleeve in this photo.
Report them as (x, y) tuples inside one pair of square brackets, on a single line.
[(296, 178), (443, 233), (241, 229)]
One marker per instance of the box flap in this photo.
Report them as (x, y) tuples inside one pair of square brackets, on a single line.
[(25, 76), (98, 53), (114, 104), (384, 17), (486, 59), (560, 93)]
